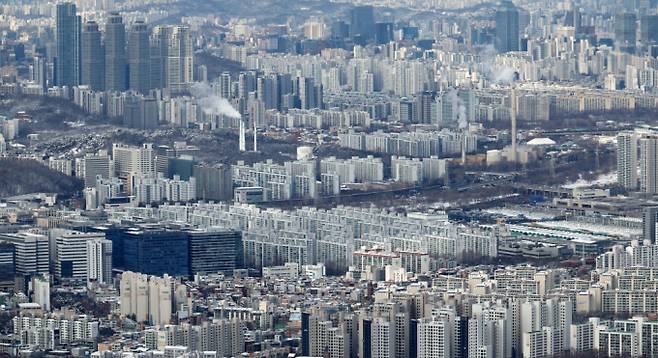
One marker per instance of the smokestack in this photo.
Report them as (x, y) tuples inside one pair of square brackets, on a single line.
[(255, 136), (464, 148), (513, 118), (243, 142)]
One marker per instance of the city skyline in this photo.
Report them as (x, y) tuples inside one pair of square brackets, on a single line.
[(293, 178)]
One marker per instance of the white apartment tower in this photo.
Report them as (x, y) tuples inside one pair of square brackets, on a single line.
[(134, 292), (434, 338), (649, 164), (99, 260), (383, 338), (149, 298), (130, 160), (160, 300), (41, 291), (627, 160)]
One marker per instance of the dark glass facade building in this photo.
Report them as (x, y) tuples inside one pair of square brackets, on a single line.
[(93, 57), (67, 63), (156, 252), (214, 251), (507, 27), (7, 264), (362, 22)]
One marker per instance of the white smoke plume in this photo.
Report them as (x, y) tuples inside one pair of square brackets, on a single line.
[(495, 73), (503, 75), (457, 102), (211, 103)]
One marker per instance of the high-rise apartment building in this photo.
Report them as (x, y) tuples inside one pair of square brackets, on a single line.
[(40, 72), (490, 331), (115, 54), (649, 220), (224, 89), (99, 260), (67, 63), (310, 95), (221, 337), (507, 27), (362, 22), (149, 188), (434, 338), (172, 58), (59, 330), (130, 160), (382, 335), (544, 326), (93, 166), (93, 57), (384, 32), (649, 28), (627, 160), (213, 182), (41, 291), (625, 32), (649, 164), (139, 57), (148, 298), (140, 112)]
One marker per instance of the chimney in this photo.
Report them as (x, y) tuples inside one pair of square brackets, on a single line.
[(513, 117), (255, 136), (242, 143)]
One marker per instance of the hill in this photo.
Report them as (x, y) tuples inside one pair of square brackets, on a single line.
[(18, 177)]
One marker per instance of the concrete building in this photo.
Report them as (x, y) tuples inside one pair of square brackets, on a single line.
[(627, 162), (280, 182), (649, 164), (636, 254), (92, 166), (41, 291), (354, 170), (333, 241), (215, 251), (7, 264), (71, 253), (221, 337), (54, 330), (148, 298), (99, 260), (32, 251), (172, 58), (435, 338), (130, 160), (150, 188), (213, 182)]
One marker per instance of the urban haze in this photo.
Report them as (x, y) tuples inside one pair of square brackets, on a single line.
[(328, 178)]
